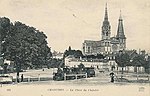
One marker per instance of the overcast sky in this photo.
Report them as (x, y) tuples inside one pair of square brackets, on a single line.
[(70, 22)]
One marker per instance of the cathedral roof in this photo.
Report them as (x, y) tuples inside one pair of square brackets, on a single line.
[(92, 43)]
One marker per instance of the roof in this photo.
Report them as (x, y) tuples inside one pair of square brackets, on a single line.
[(92, 43), (132, 53)]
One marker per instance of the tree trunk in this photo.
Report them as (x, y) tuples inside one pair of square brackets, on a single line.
[(135, 69), (122, 74), (122, 71), (18, 71), (117, 69)]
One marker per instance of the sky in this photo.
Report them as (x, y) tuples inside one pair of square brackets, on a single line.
[(70, 22)]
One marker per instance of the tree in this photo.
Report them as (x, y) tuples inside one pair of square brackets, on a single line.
[(100, 56), (81, 67), (75, 53), (24, 45), (147, 65), (138, 61), (55, 63), (4, 29), (5, 68), (122, 59)]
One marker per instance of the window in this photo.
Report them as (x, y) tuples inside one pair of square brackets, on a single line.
[(83, 48), (89, 49)]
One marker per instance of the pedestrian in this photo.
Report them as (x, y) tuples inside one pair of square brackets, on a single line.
[(112, 77), (17, 79), (22, 78)]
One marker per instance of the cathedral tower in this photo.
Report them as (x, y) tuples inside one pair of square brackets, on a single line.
[(105, 42), (106, 26), (120, 34)]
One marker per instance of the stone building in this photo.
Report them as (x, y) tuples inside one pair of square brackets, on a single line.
[(108, 44)]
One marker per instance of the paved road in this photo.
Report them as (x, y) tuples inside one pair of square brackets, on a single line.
[(95, 86), (47, 74)]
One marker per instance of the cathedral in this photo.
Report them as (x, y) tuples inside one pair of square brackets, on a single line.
[(107, 44)]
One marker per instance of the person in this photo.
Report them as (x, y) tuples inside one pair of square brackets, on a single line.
[(112, 77), (22, 78), (17, 77)]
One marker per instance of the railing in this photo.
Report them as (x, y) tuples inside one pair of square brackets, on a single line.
[(75, 75), (6, 79), (30, 78), (133, 77)]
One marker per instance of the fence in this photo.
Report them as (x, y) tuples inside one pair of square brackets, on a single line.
[(133, 78), (76, 76), (30, 78)]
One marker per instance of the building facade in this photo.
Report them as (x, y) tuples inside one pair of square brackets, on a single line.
[(107, 44), (71, 61)]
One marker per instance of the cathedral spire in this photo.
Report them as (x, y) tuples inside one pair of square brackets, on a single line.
[(120, 16), (106, 14), (120, 34), (106, 26), (120, 31)]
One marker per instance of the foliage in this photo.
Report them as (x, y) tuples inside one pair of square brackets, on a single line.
[(122, 59), (147, 65), (138, 61), (55, 63), (78, 54), (5, 68), (75, 53), (24, 45), (81, 66)]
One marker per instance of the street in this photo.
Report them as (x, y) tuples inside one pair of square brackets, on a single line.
[(98, 86)]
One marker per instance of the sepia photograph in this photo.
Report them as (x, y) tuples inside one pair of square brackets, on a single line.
[(74, 48)]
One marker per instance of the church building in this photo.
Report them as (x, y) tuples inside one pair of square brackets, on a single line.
[(107, 44)]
